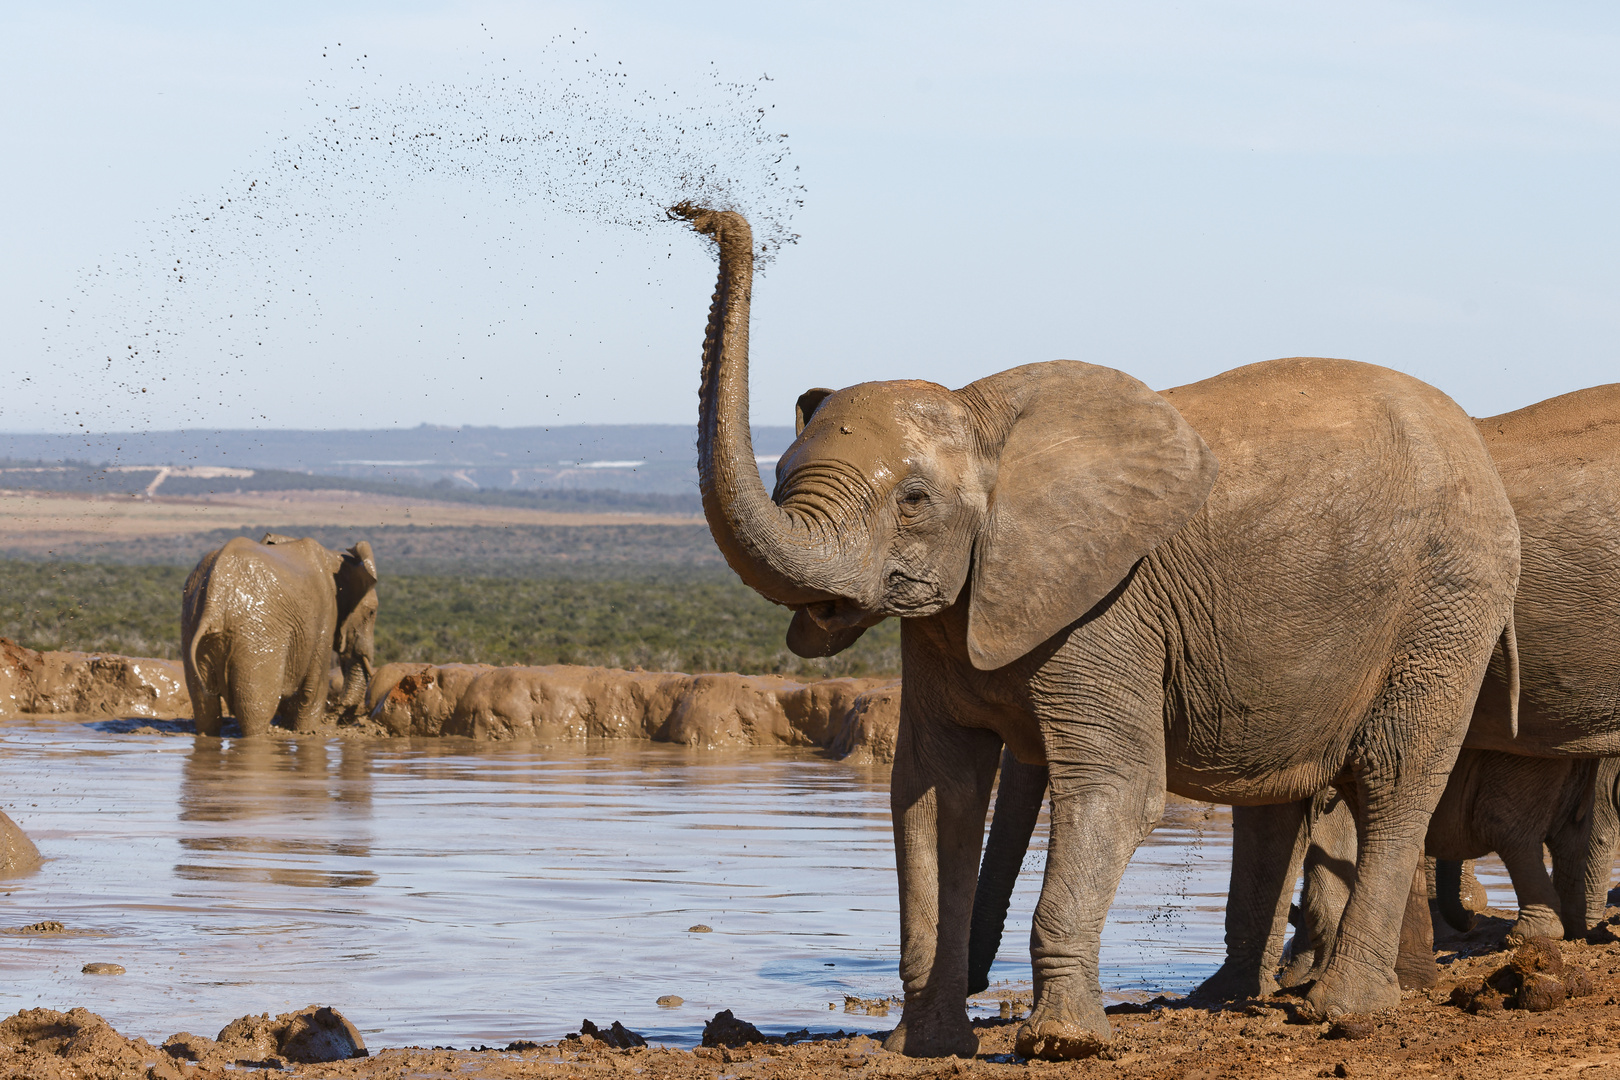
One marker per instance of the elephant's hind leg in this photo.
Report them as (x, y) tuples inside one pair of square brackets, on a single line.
[(309, 701), (1401, 760), (1268, 846), (1538, 900)]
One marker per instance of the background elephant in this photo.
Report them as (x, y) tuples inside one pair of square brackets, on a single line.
[(260, 622), (1559, 461), (1077, 584), (1505, 803)]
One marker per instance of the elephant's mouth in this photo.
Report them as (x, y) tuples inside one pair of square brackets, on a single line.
[(842, 614), (913, 597)]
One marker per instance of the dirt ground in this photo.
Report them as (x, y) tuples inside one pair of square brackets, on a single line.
[(1428, 1036), (45, 521)]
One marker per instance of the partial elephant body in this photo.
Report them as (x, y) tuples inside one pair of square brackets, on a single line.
[(1494, 802), (1559, 462), (260, 623), (1603, 840), (1079, 586)]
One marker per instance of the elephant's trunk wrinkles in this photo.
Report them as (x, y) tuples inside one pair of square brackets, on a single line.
[(783, 552), (356, 681)]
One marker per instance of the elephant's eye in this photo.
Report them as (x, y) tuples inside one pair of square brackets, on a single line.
[(915, 499)]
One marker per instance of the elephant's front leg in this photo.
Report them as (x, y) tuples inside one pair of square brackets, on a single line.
[(1102, 807), (939, 794)]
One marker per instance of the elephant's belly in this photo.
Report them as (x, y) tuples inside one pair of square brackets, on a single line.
[(1254, 761), (1559, 730)]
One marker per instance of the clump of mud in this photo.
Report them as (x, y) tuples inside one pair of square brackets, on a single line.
[(1535, 979)]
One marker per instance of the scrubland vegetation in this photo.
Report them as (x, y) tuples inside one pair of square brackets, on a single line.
[(670, 617)]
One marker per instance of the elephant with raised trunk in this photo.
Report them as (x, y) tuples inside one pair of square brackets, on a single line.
[(260, 623), (1245, 589)]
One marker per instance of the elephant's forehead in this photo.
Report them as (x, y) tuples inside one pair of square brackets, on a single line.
[(889, 421)]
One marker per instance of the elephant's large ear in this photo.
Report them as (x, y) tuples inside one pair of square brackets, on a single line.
[(356, 581), (806, 407), (806, 638), (1097, 471)]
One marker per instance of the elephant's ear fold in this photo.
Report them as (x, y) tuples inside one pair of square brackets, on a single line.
[(1097, 471), (362, 555), (806, 638), (806, 407)]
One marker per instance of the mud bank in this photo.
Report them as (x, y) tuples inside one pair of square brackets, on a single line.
[(91, 684), (1427, 1035), (853, 718)]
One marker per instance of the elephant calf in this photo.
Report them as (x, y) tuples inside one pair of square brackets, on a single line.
[(1497, 802), (259, 624)]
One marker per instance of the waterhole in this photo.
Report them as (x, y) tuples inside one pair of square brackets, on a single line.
[(446, 892)]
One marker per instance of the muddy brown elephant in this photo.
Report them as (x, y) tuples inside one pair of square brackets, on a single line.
[(260, 623), (1560, 464), (1076, 582)]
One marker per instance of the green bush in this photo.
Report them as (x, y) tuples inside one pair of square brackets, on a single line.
[(698, 620)]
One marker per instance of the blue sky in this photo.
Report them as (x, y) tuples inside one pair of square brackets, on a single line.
[(1171, 189)]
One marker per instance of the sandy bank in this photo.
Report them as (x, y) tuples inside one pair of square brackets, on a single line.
[(854, 718)]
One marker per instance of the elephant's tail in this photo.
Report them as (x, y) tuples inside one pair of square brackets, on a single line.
[(1510, 654), (1448, 895), (206, 625)]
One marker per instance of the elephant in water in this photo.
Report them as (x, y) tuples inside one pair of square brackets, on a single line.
[(1559, 461), (259, 624), (1078, 584)]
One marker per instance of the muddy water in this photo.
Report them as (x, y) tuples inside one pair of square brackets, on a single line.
[(455, 893)]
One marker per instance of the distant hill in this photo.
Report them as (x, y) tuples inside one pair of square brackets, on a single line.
[(648, 459)]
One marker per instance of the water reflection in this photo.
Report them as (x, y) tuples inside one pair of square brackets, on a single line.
[(451, 892)]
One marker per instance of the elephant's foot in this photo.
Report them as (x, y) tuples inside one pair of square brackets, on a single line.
[(1346, 989), (936, 1033), (1535, 920), (1234, 982), (1053, 1034), (1297, 968)]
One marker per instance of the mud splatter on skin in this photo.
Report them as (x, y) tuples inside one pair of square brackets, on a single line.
[(572, 133)]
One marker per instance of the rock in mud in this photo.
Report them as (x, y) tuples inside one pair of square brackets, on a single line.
[(18, 855), (726, 1030), (617, 1036), (102, 969), (700, 928), (1350, 1027), (313, 1034), (671, 1001), (40, 929)]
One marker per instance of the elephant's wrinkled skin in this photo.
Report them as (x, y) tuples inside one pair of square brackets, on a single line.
[(1077, 584), (1560, 464), (259, 625)]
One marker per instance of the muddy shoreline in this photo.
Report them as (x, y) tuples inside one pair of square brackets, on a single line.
[(1430, 1034)]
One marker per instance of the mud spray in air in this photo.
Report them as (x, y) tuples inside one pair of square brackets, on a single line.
[(209, 296)]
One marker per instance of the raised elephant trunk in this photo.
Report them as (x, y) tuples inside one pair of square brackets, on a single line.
[(784, 556)]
